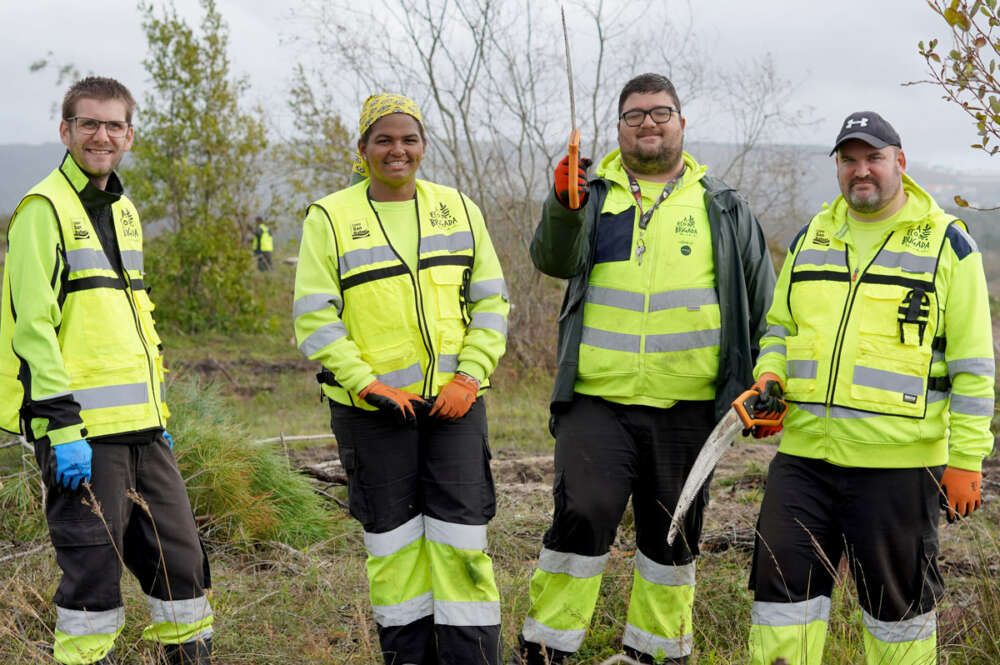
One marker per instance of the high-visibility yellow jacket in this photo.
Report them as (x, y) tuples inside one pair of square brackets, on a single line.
[(363, 313), (78, 348), (888, 364), (263, 240)]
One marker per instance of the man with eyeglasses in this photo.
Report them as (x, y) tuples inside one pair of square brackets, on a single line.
[(81, 377), (669, 284)]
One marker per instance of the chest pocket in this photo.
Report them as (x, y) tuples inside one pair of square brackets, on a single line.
[(614, 236)]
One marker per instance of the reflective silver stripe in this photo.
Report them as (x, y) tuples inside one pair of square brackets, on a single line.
[(885, 380), (604, 339), (80, 623), (486, 288), (447, 362), (192, 610), (664, 575), (654, 645), (937, 356), (972, 406), (563, 640), (390, 542), (777, 331), (459, 536), (602, 295), (698, 339), (315, 302), (682, 298), (790, 614), (359, 258), (402, 377), (322, 336), (468, 613), (453, 242), (819, 411), (87, 259), (132, 259), (802, 369), (965, 234), (404, 613), (978, 366), (108, 396), (489, 321), (574, 565), (905, 630), (774, 348), (905, 261), (48, 397), (819, 257), (936, 396)]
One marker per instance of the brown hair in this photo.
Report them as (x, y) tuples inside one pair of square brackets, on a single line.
[(97, 87), (644, 83)]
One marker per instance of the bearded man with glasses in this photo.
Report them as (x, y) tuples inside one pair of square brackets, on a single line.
[(669, 285)]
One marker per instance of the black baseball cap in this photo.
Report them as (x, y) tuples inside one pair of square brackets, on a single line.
[(869, 127)]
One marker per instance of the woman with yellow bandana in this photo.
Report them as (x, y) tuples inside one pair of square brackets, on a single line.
[(400, 296)]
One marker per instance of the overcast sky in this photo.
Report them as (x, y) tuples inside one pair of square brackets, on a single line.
[(845, 56)]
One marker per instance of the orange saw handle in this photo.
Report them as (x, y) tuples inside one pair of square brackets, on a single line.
[(574, 167), (745, 407)]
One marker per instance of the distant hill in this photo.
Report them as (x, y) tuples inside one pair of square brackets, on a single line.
[(21, 166)]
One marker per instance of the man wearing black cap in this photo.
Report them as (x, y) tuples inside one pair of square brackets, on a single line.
[(879, 334)]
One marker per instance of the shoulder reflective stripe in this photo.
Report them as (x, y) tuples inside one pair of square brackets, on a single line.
[(470, 613), (601, 295), (406, 612), (447, 363), (604, 339), (820, 276), (77, 623), (322, 336), (358, 258), (390, 542), (905, 630), (972, 406), (132, 259), (682, 298), (372, 275), (906, 261), (108, 396), (454, 242), (654, 645), (87, 259), (402, 377), (776, 331), (885, 380), (563, 640), (896, 280), (459, 536), (489, 321), (574, 565), (486, 288), (821, 257), (773, 348), (961, 242), (819, 411), (977, 366), (86, 283), (446, 260), (802, 369), (179, 611), (698, 339), (664, 575), (790, 614), (315, 302)]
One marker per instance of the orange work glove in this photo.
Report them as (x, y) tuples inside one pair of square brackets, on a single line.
[(562, 176), (397, 402), (770, 389), (962, 492), (456, 397)]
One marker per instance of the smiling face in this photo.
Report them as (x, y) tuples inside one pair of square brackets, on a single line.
[(98, 154), (651, 150), (393, 150), (870, 178)]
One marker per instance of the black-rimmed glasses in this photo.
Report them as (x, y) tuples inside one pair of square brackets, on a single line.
[(659, 114), (115, 128)]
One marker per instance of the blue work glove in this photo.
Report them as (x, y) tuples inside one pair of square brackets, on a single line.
[(169, 439), (72, 463)]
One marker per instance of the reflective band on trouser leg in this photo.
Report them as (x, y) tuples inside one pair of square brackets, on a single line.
[(179, 621), (85, 637), (563, 594), (399, 575), (793, 631), (905, 642), (660, 609), (465, 590)]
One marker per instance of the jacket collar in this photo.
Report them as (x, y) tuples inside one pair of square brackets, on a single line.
[(90, 196)]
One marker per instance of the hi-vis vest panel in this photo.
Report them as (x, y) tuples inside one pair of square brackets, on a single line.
[(867, 335), (109, 345), (409, 327)]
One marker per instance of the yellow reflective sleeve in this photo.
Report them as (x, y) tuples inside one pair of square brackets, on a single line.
[(780, 324)]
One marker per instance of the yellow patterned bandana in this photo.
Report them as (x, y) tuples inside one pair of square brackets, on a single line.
[(379, 106)]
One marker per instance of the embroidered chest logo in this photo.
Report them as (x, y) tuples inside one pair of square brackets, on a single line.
[(80, 232), (441, 217), (130, 225), (918, 237), (821, 239), (359, 230), (686, 227)]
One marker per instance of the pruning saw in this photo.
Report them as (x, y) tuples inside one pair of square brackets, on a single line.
[(574, 135)]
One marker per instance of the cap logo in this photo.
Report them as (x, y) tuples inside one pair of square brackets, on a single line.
[(862, 122)]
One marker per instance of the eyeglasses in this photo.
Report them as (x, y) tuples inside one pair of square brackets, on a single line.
[(87, 126), (659, 114)]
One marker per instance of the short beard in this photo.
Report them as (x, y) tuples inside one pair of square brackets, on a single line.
[(866, 206), (663, 162)]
